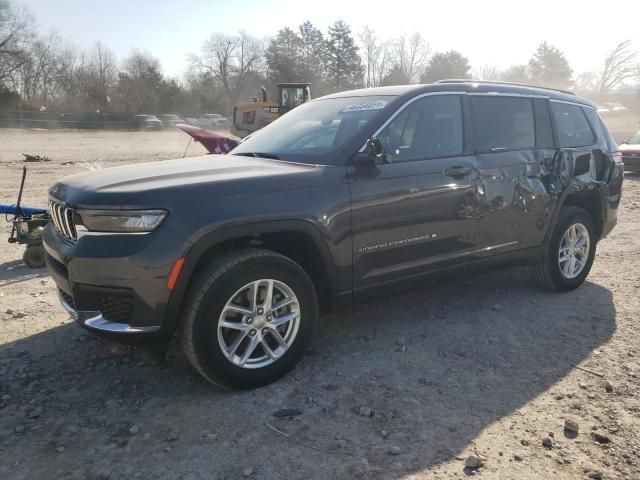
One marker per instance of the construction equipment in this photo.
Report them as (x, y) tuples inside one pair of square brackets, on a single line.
[(253, 116), (27, 225)]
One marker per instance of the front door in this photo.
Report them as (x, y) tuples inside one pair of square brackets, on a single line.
[(408, 215)]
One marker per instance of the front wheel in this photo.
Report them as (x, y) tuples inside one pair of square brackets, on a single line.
[(570, 253), (249, 318)]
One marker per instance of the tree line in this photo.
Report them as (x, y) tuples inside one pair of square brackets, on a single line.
[(44, 72)]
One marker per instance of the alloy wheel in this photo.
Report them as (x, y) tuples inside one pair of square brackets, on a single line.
[(259, 323), (573, 253)]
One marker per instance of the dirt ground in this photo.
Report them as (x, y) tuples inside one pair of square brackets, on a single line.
[(490, 365)]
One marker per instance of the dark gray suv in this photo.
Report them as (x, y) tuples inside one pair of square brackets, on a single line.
[(345, 196)]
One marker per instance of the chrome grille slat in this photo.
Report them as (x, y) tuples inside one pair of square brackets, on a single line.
[(65, 217), (62, 217), (72, 223)]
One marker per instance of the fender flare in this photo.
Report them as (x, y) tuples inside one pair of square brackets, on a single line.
[(209, 240), (571, 189)]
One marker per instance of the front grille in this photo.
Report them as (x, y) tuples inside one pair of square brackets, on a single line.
[(117, 308), (62, 217)]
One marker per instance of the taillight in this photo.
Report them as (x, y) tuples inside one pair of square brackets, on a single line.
[(617, 157)]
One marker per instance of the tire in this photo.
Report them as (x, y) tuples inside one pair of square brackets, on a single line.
[(548, 269), (209, 301), (34, 256)]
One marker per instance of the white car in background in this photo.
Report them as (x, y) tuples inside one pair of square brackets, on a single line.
[(612, 108), (213, 120)]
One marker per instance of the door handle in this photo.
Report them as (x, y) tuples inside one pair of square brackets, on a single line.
[(458, 171)]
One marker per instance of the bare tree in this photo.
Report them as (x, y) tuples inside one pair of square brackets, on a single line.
[(74, 80), (371, 53), (36, 79), (412, 55), (486, 72), (141, 82), (229, 59), (385, 62), (586, 82), (14, 37), (516, 74), (101, 75), (619, 65)]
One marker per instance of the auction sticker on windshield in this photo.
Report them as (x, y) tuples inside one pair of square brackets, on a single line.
[(364, 106)]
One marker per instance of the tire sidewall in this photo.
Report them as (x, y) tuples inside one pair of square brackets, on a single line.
[(33, 256), (567, 218), (220, 291)]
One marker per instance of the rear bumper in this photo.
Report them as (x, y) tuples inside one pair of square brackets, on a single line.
[(613, 195), (116, 285)]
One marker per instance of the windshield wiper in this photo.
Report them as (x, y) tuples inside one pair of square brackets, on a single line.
[(273, 156)]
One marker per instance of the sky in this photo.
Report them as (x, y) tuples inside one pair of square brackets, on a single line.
[(488, 32)]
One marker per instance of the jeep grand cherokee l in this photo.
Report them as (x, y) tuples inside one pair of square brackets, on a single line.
[(346, 195)]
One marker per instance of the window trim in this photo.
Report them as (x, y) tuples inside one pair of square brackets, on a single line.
[(500, 94), (409, 102), (464, 152), (580, 106), (469, 120)]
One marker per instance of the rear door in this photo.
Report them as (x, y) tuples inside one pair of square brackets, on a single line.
[(514, 140), (406, 214)]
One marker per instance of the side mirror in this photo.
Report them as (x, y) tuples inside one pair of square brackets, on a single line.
[(372, 155)]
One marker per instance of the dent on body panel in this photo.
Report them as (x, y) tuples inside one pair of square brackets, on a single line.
[(578, 170), (516, 185)]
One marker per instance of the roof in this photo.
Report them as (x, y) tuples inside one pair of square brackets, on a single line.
[(469, 86)]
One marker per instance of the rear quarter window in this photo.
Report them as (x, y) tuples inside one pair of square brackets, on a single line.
[(599, 126), (503, 123), (572, 125)]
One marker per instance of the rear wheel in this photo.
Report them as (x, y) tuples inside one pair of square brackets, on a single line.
[(249, 318), (571, 251)]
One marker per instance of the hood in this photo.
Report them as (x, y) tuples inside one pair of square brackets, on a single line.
[(213, 142), (156, 182)]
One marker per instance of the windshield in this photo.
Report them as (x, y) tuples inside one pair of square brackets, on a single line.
[(314, 131), (635, 140)]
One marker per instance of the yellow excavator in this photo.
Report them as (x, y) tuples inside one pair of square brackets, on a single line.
[(253, 116)]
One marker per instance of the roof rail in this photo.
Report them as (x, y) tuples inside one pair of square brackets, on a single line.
[(495, 82)]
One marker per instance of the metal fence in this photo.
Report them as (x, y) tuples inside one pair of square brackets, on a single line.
[(87, 120)]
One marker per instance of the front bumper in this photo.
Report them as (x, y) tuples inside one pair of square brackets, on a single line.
[(94, 320), (115, 285)]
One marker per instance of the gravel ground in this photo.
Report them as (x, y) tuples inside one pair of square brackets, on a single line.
[(485, 370)]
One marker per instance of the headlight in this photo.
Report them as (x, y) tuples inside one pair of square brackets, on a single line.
[(121, 221)]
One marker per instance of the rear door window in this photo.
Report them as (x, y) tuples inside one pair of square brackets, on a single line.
[(429, 127), (503, 123), (572, 125)]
